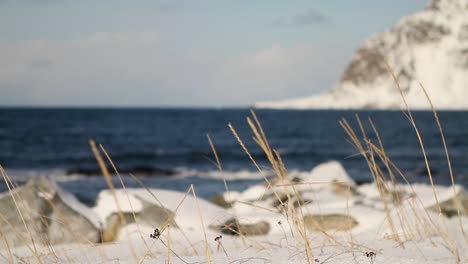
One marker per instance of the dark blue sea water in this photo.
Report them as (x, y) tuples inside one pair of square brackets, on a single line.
[(169, 148)]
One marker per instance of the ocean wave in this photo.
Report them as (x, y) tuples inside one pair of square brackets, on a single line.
[(64, 175), (241, 174), (22, 175)]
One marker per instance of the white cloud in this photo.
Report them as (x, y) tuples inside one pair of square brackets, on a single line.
[(308, 17), (77, 65), (278, 72), (142, 69)]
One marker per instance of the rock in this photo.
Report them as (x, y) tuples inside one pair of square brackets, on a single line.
[(296, 179), (450, 207), (26, 202), (220, 201), (234, 227), (327, 172), (327, 222), (71, 221), (344, 189), (398, 196), (295, 201), (151, 215), (138, 200), (51, 216), (154, 215)]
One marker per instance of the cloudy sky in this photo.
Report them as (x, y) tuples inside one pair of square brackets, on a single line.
[(180, 53)]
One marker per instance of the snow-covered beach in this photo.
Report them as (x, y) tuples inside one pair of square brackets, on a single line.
[(326, 213)]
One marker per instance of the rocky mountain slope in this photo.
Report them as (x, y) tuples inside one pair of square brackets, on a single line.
[(429, 47)]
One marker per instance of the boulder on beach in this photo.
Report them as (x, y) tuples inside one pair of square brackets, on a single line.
[(296, 200), (219, 200), (344, 189), (325, 222), (235, 227), (329, 172), (451, 206), (328, 178), (153, 208), (43, 212), (151, 215)]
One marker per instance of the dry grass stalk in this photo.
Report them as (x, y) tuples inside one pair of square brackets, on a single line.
[(15, 230), (350, 233), (447, 156), (241, 143), (107, 177), (165, 225), (410, 232), (449, 240), (376, 172), (281, 173), (395, 187), (126, 194), (220, 245), (169, 250), (426, 225), (171, 217), (9, 258), (218, 164), (207, 246), (220, 169), (110, 184), (418, 134)]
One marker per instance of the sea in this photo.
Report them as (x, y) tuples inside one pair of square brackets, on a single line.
[(169, 149)]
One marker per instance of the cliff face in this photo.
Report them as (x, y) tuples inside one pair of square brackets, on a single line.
[(429, 47)]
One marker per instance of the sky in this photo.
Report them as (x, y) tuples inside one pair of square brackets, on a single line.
[(187, 53)]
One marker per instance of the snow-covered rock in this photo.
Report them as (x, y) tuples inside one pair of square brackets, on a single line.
[(144, 203), (324, 222), (328, 172), (43, 212), (429, 47)]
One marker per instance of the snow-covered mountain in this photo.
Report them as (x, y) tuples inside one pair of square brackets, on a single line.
[(429, 47)]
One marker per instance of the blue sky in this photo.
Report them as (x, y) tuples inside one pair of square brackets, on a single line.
[(180, 53)]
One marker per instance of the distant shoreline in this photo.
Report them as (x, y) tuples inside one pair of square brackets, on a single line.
[(212, 108)]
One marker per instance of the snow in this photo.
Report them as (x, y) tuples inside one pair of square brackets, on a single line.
[(106, 205), (425, 236), (275, 251), (77, 206), (253, 193), (187, 215), (418, 54), (328, 172), (184, 206)]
